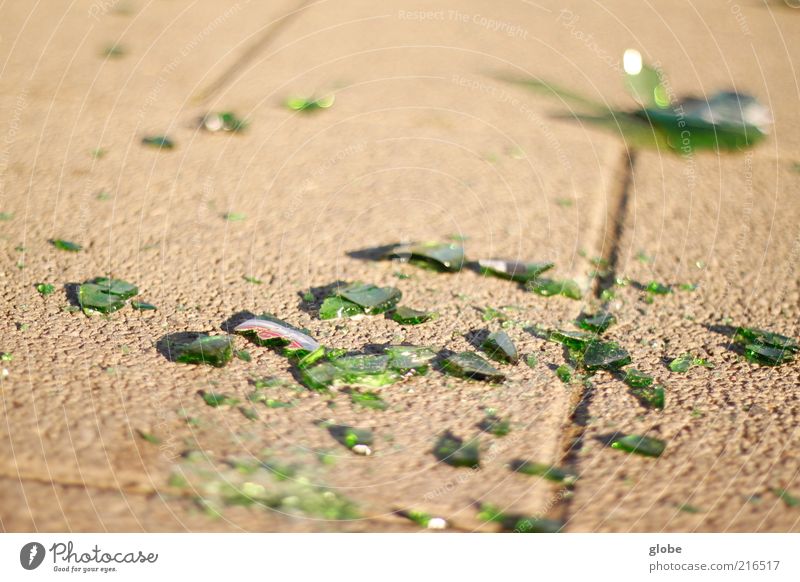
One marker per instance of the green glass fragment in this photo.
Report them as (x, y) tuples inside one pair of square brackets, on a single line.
[(472, 366), (368, 400), (234, 216), (455, 452), (789, 499), (252, 280), (684, 362), (248, 413), (419, 517), (370, 298), (641, 445), (214, 350), (224, 121), (160, 142), (564, 373), (652, 396), (350, 436), (495, 425), (408, 316), (767, 355), (439, 256), (321, 376), (517, 523), (605, 355), (490, 313), (636, 379), (105, 295), (365, 370), (65, 245), (576, 340), (749, 335), (531, 360), (309, 104), (657, 288), (117, 287), (405, 359), (45, 288), (551, 287), (514, 270), (598, 322), (216, 399), (244, 355), (338, 307), (549, 472), (143, 306), (150, 438), (498, 346)]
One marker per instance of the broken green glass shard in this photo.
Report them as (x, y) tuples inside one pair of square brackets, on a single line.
[(498, 346), (605, 355), (724, 121), (551, 287), (350, 436), (149, 437), (223, 121), (309, 104), (338, 308), (105, 295), (643, 81), (789, 499), (576, 340), (244, 355), (248, 413), (65, 245), (143, 306), (368, 400), (439, 256), (45, 288), (253, 280), (408, 316), (652, 396), (424, 519), (514, 270), (517, 523), (471, 366), (531, 360), (217, 399), (549, 472), (640, 445), (684, 362), (267, 330), (370, 298), (366, 370), (636, 379), (598, 322), (234, 216), (767, 355), (200, 348), (495, 425), (160, 142), (750, 335), (455, 452), (657, 288), (564, 373), (409, 359)]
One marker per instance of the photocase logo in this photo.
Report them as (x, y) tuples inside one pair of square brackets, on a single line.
[(31, 555)]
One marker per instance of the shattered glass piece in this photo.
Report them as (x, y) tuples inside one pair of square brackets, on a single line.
[(513, 270), (549, 472), (309, 104), (652, 396), (370, 298), (657, 288), (351, 437), (45, 288), (117, 287), (143, 306), (640, 445), (160, 142), (408, 316), (216, 399), (405, 359), (65, 245), (441, 256), (551, 287), (105, 295), (576, 340), (750, 335), (223, 121), (564, 373), (636, 379), (499, 346), (518, 523), (495, 425), (455, 452), (366, 370), (767, 355), (321, 376), (244, 355), (338, 307), (270, 330), (214, 350), (684, 362), (368, 400), (605, 355), (472, 366), (531, 360), (643, 81), (598, 322), (423, 519)]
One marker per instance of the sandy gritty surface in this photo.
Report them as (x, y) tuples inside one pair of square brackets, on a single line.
[(425, 140)]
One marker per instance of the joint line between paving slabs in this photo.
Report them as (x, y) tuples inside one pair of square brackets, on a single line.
[(572, 435), (261, 43)]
